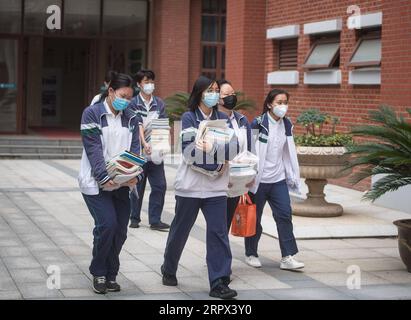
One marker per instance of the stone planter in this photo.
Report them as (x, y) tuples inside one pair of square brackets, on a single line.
[(404, 241), (317, 164)]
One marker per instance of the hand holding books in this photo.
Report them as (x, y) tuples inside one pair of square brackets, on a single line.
[(204, 146), (214, 132), (123, 170)]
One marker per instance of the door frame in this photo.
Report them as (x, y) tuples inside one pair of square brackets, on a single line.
[(20, 103)]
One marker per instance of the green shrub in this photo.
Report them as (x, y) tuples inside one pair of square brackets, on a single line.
[(314, 123)]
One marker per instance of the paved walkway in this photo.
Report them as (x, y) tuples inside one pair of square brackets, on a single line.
[(44, 221)]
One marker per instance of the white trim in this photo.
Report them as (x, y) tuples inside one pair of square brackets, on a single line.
[(291, 31), (320, 77), (283, 77), (365, 21), (365, 76), (334, 25)]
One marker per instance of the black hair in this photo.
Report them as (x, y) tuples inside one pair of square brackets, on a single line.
[(201, 85), (109, 75), (144, 73), (223, 81), (118, 80), (271, 96)]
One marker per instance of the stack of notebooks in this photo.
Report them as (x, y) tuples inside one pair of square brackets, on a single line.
[(214, 131), (157, 134), (242, 171), (125, 166)]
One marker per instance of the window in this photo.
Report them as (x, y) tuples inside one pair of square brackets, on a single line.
[(123, 18), (213, 30), (367, 52), (287, 54), (324, 54), (10, 16), (82, 17), (35, 16)]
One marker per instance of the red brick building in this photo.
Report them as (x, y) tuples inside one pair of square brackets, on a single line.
[(257, 44), (342, 57)]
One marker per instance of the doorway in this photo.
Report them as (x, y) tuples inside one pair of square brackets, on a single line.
[(9, 53), (64, 82)]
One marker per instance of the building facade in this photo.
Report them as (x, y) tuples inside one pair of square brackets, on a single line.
[(342, 58)]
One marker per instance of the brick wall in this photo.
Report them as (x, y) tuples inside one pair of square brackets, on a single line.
[(170, 44), (396, 52), (176, 36), (195, 42), (245, 47), (349, 103)]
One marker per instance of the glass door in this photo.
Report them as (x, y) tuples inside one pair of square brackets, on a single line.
[(8, 84)]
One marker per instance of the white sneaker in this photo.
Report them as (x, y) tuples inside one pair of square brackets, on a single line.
[(289, 263), (253, 261)]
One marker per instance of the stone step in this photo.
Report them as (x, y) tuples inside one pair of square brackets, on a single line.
[(39, 156), (46, 149), (39, 141)]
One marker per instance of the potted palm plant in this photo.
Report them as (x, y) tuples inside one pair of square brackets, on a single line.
[(388, 154), (321, 155)]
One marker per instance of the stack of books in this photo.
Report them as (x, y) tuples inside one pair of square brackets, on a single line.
[(243, 169), (125, 166), (157, 134), (215, 132)]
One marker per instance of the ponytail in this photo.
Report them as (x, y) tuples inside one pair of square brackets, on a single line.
[(118, 80)]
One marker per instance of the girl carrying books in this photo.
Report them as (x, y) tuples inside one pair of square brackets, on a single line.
[(202, 183), (106, 132)]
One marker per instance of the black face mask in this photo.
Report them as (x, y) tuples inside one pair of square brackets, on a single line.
[(230, 102)]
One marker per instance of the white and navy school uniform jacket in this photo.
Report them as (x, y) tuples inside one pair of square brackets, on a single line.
[(260, 131), (191, 183), (100, 140), (245, 131)]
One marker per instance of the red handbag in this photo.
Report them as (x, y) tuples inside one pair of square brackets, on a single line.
[(245, 218)]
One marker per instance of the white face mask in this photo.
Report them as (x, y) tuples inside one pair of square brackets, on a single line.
[(148, 88), (280, 110)]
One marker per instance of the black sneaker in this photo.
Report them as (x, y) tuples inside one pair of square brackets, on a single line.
[(226, 280), (134, 223), (113, 286), (161, 226), (168, 279), (100, 285), (222, 291)]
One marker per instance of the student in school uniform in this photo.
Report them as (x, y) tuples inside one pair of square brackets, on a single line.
[(107, 79), (278, 171), (196, 190), (106, 131), (239, 122), (149, 107)]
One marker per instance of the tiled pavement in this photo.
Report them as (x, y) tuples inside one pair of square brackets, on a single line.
[(44, 221)]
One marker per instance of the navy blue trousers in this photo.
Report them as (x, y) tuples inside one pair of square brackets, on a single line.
[(110, 211), (157, 179), (232, 204), (279, 200), (218, 247)]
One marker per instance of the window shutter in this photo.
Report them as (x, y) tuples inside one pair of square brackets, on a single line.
[(288, 54)]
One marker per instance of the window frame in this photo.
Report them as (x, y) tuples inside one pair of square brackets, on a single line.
[(219, 44), (325, 40), (371, 63)]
